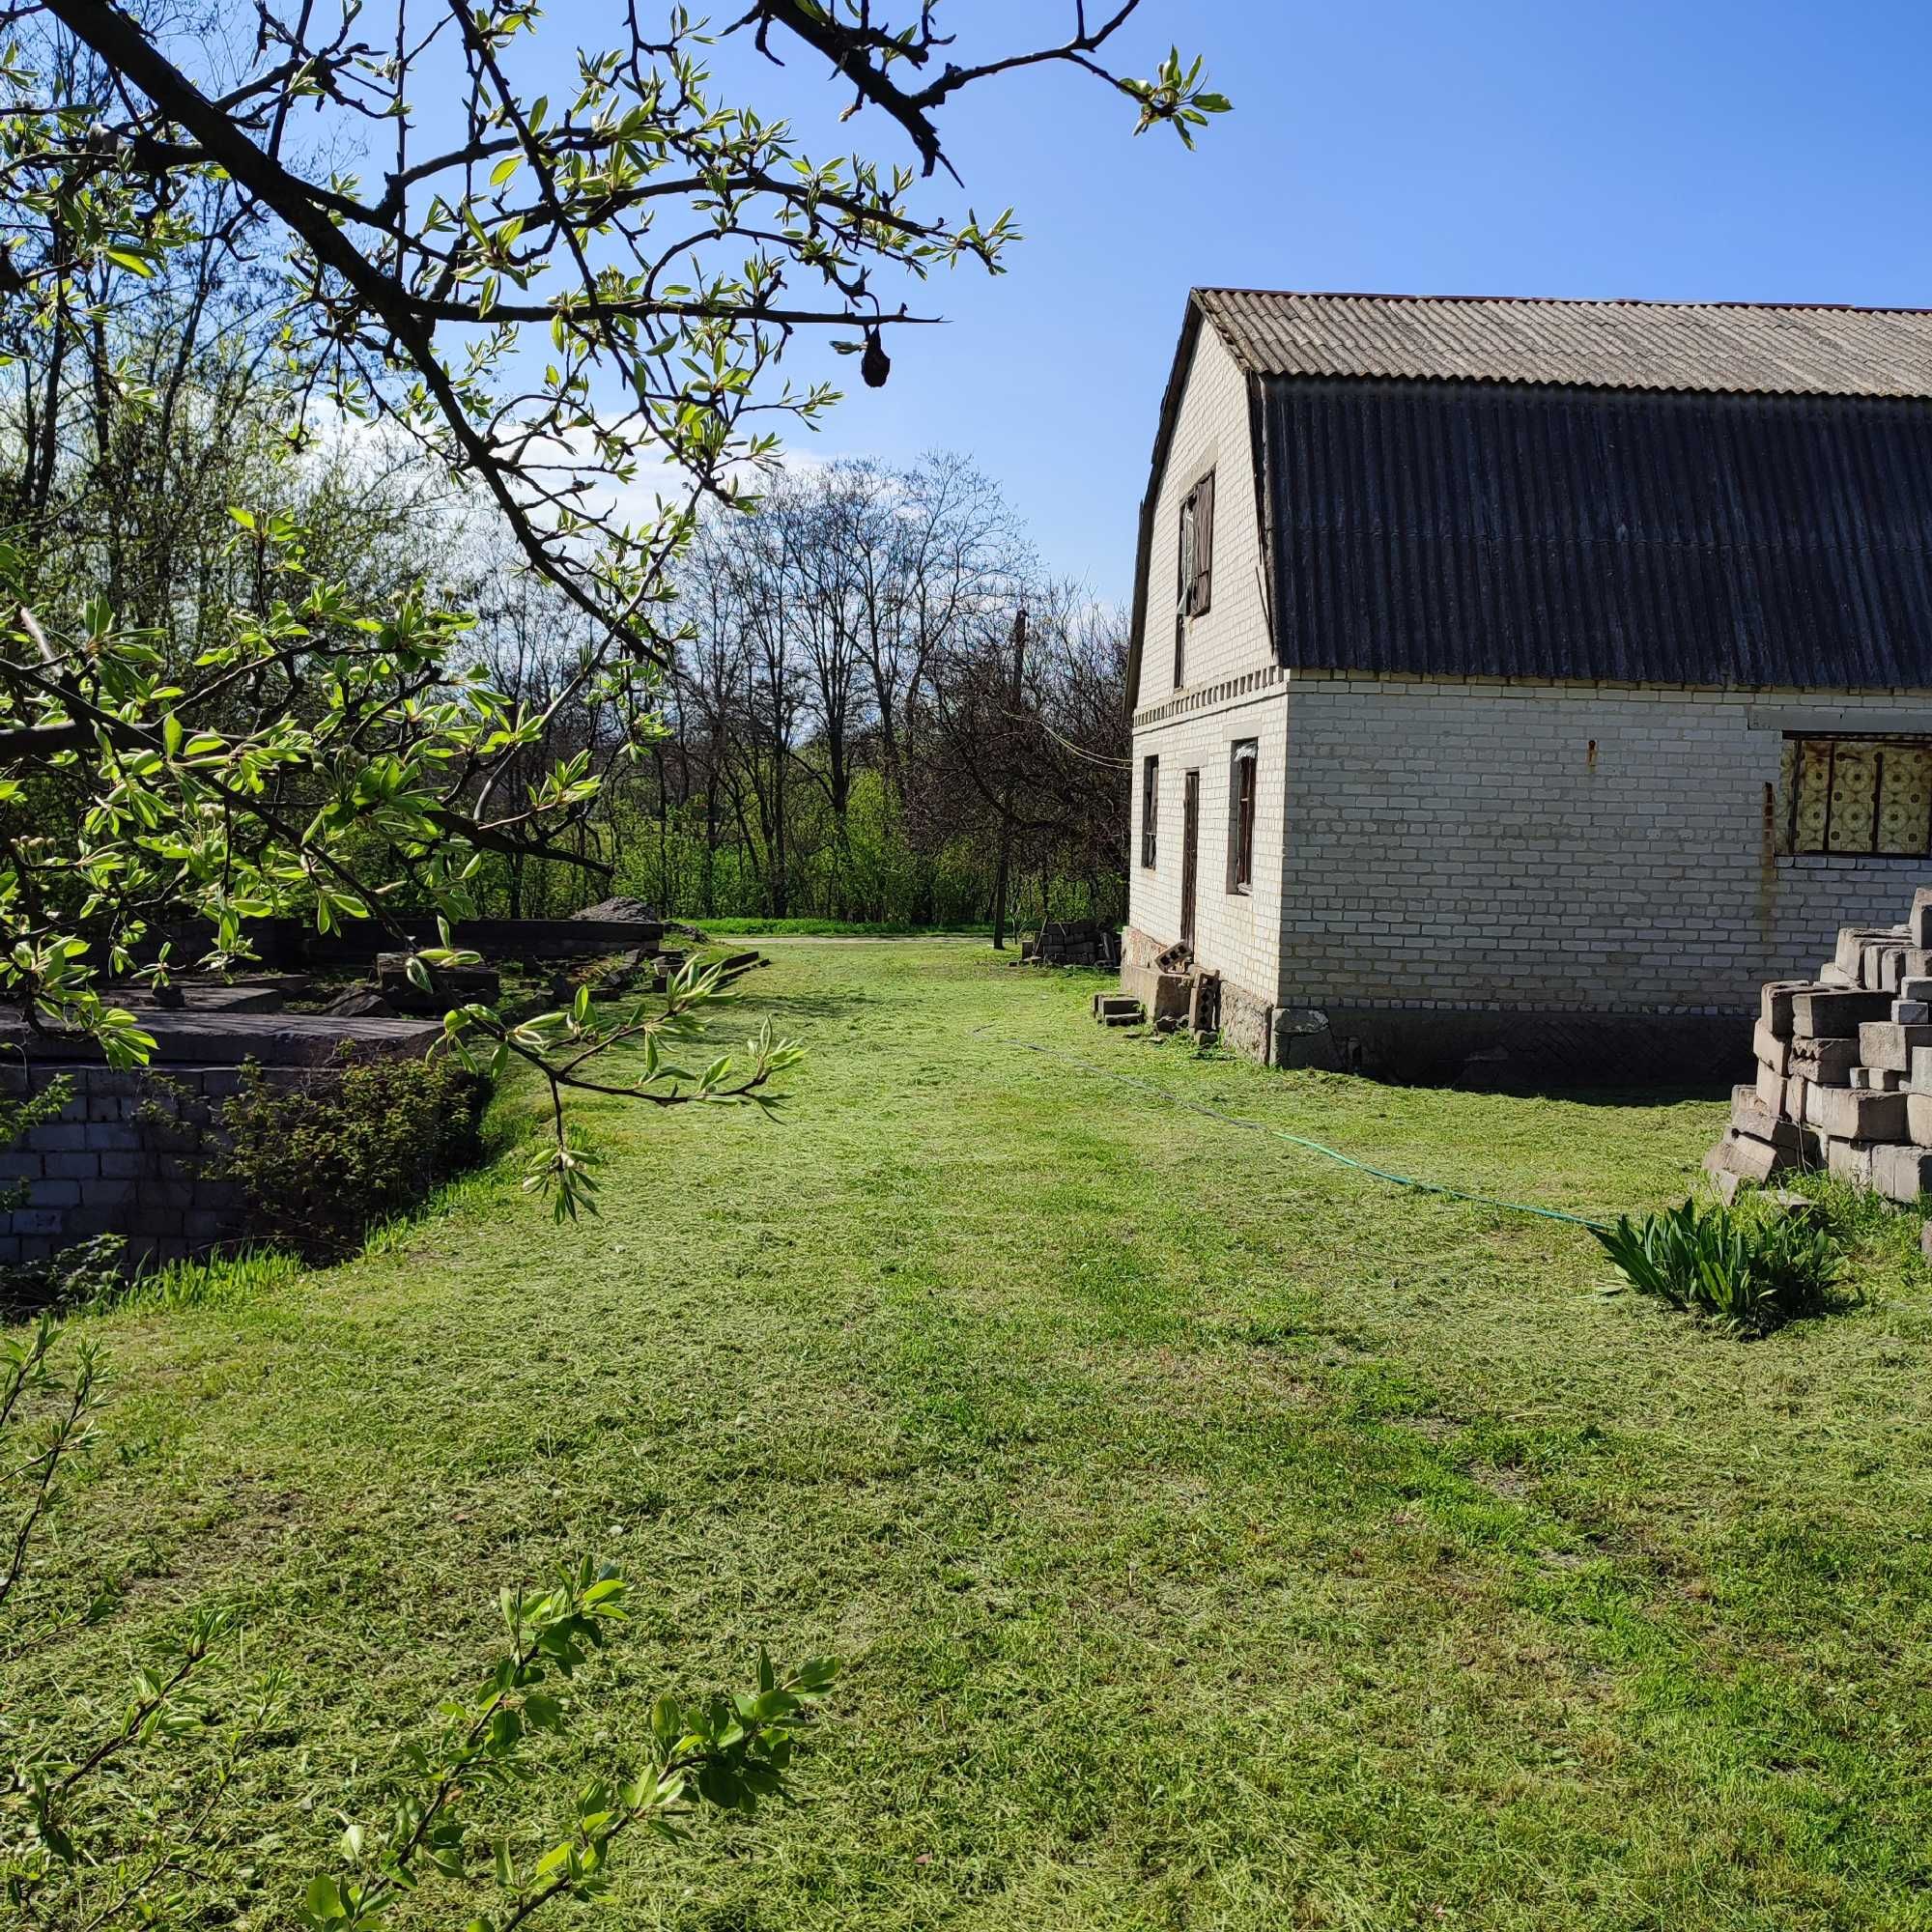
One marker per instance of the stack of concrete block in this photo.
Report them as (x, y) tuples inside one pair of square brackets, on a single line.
[(1073, 942), (1844, 1069)]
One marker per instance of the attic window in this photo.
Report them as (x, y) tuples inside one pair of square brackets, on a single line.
[(1194, 574), (1858, 797)]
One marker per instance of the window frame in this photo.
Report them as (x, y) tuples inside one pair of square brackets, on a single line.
[(1150, 811), (1244, 757), (1797, 747), (1193, 566)]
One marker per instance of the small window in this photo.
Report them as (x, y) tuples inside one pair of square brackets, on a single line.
[(1241, 816), (1858, 797), (1150, 807), (1194, 571)]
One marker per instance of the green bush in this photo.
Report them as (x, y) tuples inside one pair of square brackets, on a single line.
[(355, 1144), (1750, 1268)]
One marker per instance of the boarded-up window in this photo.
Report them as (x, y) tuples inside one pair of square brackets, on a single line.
[(1241, 816), (1201, 578), (1150, 807), (1862, 797), (1194, 567)]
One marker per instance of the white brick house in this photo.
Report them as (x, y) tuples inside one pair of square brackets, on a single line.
[(1545, 675)]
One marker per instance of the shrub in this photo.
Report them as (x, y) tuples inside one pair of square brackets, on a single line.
[(1749, 1269), (78, 1276), (361, 1142)]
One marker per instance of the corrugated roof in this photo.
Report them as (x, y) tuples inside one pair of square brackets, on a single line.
[(1457, 529), (1739, 348)]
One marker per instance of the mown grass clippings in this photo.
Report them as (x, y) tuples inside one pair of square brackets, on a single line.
[(1216, 1537)]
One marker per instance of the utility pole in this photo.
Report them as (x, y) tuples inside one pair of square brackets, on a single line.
[(1006, 791)]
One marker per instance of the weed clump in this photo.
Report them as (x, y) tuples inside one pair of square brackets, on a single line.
[(1747, 1269)]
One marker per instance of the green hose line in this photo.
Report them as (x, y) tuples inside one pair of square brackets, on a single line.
[(1294, 1139)]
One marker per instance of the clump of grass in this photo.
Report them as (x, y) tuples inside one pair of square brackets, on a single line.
[(198, 1282), (1749, 1268), (1867, 1225)]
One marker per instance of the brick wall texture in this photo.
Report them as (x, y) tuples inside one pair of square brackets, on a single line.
[(125, 1157), (1434, 843)]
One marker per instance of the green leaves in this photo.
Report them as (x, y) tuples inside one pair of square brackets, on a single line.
[(727, 1752), (1749, 1268), (1177, 98)]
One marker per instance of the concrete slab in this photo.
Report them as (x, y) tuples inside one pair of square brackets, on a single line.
[(1919, 921), (227, 1040), (1902, 1172), (1827, 1062), (1855, 1114), (1884, 1043), (248, 996), (1849, 1161), (1772, 1050), (1751, 1116), (1838, 1016), (1747, 1157), (1774, 1003)]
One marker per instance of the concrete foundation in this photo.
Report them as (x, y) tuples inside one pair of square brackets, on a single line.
[(1468, 1045)]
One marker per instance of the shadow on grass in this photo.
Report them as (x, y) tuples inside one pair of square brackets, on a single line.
[(792, 1006)]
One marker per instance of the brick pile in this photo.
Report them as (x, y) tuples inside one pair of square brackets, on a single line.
[(1844, 1077)]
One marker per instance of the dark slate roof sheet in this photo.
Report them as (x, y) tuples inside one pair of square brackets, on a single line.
[(1713, 347), (1462, 530)]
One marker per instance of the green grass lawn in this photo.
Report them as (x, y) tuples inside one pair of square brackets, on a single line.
[(830, 928), (1215, 1538)]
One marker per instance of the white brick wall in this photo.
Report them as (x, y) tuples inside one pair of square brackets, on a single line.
[(1497, 842), (1211, 432), (1232, 692), (1470, 843), (1237, 933)]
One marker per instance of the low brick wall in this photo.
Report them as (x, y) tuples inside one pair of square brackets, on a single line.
[(125, 1157)]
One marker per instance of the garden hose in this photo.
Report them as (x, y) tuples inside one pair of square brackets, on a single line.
[(1294, 1139)]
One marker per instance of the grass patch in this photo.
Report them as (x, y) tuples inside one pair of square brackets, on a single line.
[(211, 1281), (1216, 1537), (834, 928)]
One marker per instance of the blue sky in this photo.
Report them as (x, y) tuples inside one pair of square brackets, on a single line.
[(1714, 150)]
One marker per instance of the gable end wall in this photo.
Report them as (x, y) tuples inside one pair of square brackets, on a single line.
[(1233, 691)]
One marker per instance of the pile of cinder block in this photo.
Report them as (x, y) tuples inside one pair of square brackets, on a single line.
[(1844, 1077), (1073, 942)]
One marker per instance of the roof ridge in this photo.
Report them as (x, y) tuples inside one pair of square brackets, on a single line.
[(1839, 349), (1559, 301)]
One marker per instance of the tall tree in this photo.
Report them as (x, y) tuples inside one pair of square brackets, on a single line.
[(572, 266)]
